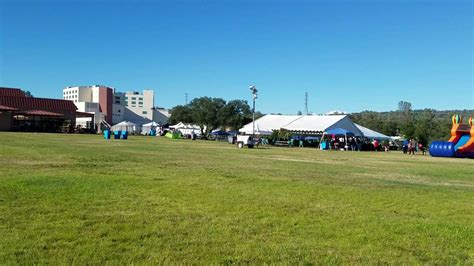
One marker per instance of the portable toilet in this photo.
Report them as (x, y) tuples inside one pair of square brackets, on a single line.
[(117, 134), (124, 134), (106, 134)]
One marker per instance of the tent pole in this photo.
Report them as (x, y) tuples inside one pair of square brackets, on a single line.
[(346, 142), (321, 140)]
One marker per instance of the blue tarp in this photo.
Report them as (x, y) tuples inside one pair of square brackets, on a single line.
[(339, 131), (297, 137), (219, 133), (233, 132)]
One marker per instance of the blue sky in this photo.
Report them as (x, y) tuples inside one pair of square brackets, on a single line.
[(348, 55)]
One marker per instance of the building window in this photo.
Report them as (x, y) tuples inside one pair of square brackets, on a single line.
[(140, 103), (140, 99), (117, 102), (134, 98), (144, 112), (134, 102)]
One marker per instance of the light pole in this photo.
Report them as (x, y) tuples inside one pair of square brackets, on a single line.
[(253, 89)]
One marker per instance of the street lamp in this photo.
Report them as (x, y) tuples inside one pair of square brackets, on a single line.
[(253, 89)]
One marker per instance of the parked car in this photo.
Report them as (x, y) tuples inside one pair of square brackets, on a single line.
[(244, 140)]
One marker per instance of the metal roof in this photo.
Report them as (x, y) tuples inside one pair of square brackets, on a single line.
[(39, 113), (11, 92), (30, 103), (7, 108)]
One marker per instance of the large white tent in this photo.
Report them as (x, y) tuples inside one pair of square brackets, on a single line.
[(309, 124), (372, 134), (317, 124), (304, 124), (265, 125)]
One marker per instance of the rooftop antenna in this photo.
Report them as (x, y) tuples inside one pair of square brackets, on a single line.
[(306, 102)]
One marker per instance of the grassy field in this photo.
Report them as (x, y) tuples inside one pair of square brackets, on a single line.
[(81, 199)]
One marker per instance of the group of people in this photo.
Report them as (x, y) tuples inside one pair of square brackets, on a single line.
[(354, 144), (412, 147)]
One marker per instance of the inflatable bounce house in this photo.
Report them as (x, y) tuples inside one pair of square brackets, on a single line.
[(461, 143)]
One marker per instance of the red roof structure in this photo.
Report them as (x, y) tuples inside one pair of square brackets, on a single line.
[(39, 113), (30, 103), (84, 114), (54, 115), (11, 92), (6, 108)]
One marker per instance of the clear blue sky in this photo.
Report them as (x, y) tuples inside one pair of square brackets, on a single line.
[(348, 55)]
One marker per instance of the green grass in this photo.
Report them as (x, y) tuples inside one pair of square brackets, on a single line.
[(81, 199)]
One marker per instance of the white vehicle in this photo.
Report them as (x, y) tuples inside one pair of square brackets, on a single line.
[(245, 140)]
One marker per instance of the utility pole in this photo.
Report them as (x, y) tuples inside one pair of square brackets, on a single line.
[(306, 102), (186, 97), (254, 91)]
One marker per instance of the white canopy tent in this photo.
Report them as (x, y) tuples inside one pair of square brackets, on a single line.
[(126, 126), (303, 124), (318, 124), (265, 125), (186, 129), (372, 134), (146, 128)]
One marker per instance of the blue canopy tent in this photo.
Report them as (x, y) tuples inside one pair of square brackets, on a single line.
[(233, 132), (297, 137), (338, 131), (219, 133)]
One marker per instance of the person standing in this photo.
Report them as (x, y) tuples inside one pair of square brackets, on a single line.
[(376, 144), (421, 148), (411, 148)]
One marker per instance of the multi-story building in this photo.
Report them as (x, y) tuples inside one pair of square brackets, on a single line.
[(97, 99), (114, 107), (144, 100), (138, 108)]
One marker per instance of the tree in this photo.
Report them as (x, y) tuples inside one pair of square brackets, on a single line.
[(299, 113), (27, 93), (258, 114), (407, 126), (206, 113), (211, 113), (404, 106), (181, 113), (235, 114), (424, 126)]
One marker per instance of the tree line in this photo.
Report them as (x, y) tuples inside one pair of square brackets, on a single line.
[(424, 125), (212, 113)]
